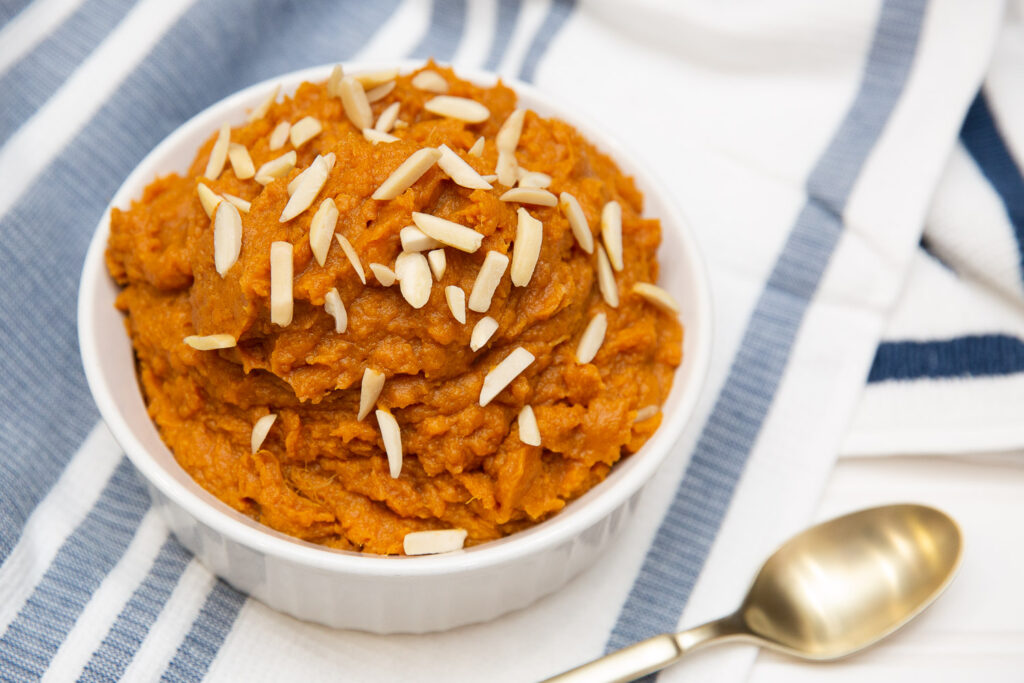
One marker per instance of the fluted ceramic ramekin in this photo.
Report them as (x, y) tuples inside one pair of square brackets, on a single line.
[(374, 593)]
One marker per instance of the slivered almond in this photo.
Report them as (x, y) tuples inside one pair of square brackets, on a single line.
[(369, 392), (294, 183), (431, 81), (240, 204), (260, 431), (448, 232), (321, 230), (336, 309), (279, 135), (508, 135), (438, 262), (456, 299), (392, 437), (433, 542), (260, 111), (276, 168), (533, 178), (461, 108), (210, 342), (592, 338), (490, 178), (529, 432), (353, 100), (487, 280), (208, 198), (482, 332), (414, 278), (657, 296), (414, 239), (507, 168), (227, 237), (478, 147), (219, 153), (387, 118), (304, 130), (526, 250), (502, 374), (281, 303), (458, 170), (371, 79), (411, 170), (606, 279), (384, 275), (379, 92), (306, 191), (646, 413), (577, 221), (353, 258), (611, 232), (401, 124), (334, 80), (241, 162), (376, 136), (529, 195)]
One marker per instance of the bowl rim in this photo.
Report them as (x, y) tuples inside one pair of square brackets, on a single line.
[(580, 515)]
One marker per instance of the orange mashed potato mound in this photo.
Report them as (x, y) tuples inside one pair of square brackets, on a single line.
[(322, 475)]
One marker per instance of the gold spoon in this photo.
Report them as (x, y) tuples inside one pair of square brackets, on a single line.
[(828, 592)]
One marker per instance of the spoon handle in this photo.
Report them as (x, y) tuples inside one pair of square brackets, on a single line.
[(649, 655)]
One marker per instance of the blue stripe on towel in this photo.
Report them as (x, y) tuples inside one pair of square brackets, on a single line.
[(10, 9), (115, 653), (682, 542), (447, 24), (557, 15), (207, 634), (981, 137), (508, 15), (32, 80), (89, 553), (982, 355)]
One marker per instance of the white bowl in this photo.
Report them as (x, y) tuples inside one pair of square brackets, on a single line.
[(367, 592)]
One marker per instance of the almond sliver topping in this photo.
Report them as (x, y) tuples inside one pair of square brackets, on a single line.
[(304, 130), (482, 332), (433, 542), (369, 392), (657, 296), (448, 232), (461, 108), (336, 309), (487, 280), (478, 147), (376, 136), (227, 237), (371, 79), (526, 250), (414, 239), (392, 437), (411, 170), (219, 153), (646, 413), (306, 191), (353, 100), (414, 278), (281, 303), (438, 262), (264, 106), (379, 92), (606, 279), (508, 135), (387, 118), (384, 275), (529, 195), (529, 432), (611, 232), (431, 81), (592, 338), (276, 168), (533, 179), (294, 183), (241, 162), (502, 374), (456, 299), (334, 80), (240, 204), (577, 221), (260, 431), (353, 258), (210, 342), (279, 135), (208, 198), (321, 230), (458, 170), (507, 168), (490, 178)]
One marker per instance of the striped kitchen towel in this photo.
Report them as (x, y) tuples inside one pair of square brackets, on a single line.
[(804, 141)]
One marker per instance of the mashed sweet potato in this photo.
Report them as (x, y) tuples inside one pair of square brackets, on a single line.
[(321, 474)]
